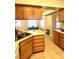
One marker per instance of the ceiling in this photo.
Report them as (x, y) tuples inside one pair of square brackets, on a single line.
[(47, 3)]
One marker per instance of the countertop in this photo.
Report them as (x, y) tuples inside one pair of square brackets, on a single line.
[(33, 33), (58, 30)]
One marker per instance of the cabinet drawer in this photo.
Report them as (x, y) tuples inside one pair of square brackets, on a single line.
[(25, 42), (38, 37), (38, 40), (38, 44), (40, 48)]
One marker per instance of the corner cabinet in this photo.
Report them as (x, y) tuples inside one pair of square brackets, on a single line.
[(26, 48), (37, 13), (61, 15), (18, 12)]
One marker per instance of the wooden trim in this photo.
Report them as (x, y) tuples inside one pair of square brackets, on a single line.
[(28, 5)]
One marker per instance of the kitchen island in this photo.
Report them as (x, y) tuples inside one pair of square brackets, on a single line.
[(26, 46)]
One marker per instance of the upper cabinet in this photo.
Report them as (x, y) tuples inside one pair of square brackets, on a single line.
[(18, 12), (27, 12), (37, 13), (61, 15)]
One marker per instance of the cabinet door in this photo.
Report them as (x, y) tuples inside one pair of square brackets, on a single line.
[(27, 12), (61, 42), (26, 50), (30, 48), (37, 13), (61, 15), (56, 37), (18, 12)]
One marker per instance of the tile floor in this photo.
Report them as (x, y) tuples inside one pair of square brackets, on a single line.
[(52, 51)]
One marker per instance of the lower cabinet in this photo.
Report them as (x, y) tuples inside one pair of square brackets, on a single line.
[(39, 48), (56, 37), (38, 43), (61, 42), (26, 48), (59, 39), (31, 45)]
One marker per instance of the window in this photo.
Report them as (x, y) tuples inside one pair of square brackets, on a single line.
[(32, 23)]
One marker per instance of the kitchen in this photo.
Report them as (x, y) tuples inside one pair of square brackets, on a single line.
[(39, 30)]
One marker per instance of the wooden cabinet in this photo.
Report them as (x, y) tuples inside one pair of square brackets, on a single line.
[(27, 12), (38, 43), (61, 15), (37, 13), (61, 40), (56, 37), (18, 12), (26, 48)]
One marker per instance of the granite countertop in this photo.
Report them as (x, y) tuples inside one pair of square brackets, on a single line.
[(33, 33), (58, 30)]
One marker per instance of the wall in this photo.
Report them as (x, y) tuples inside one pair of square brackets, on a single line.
[(42, 24), (23, 24), (50, 22)]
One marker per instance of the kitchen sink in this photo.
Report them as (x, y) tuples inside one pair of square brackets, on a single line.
[(21, 35)]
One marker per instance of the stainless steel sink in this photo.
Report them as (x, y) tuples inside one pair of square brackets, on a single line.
[(21, 35)]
